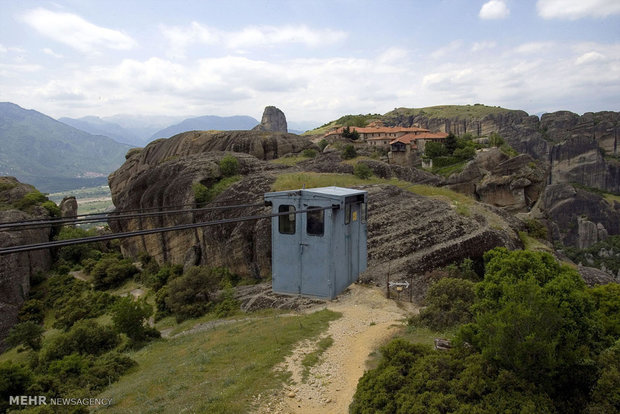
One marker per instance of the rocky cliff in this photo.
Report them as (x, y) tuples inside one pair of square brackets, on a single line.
[(16, 269)]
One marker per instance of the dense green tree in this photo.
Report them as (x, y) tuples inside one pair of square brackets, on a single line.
[(534, 317), (131, 318), (14, 380), (27, 333), (495, 140), (447, 304), (435, 149), (349, 152), (190, 295), (451, 143), (32, 310)]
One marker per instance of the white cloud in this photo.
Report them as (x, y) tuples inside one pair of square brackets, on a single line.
[(50, 52), (76, 32), (534, 47), (494, 9), (577, 9), (479, 46), (249, 37), (590, 57), (447, 50)]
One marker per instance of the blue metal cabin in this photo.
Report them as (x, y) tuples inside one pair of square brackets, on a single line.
[(318, 253)]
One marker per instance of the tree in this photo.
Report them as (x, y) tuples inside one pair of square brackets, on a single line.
[(451, 143), (189, 295), (27, 333), (349, 152), (130, 317), (533, 316), (447, 304), (435, 149), (350, 134)]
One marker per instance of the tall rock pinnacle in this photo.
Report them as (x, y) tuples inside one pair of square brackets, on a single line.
[(273, 120)]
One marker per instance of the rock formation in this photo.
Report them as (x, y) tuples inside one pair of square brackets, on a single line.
[(577, 217), (494, 178), (273, 120), (16, 269), (68, 207)]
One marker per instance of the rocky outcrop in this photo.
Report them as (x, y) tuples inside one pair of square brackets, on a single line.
[(409, 235), (16, 269), (68, 207), (580, 160), (493, 178), (273, 120), (189, 147), (578, 217)]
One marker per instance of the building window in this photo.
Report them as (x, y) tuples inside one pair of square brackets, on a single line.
[(315, 223), (286, 223)]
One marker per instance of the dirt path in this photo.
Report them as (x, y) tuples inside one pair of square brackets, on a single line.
[(368, 320)]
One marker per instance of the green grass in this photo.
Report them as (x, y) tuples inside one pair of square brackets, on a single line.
[(450, 169), (290, 160), (217, 371), (530, 243), (293, 181), (314, 357)]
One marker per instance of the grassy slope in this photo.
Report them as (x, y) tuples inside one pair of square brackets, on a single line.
[(217, 371)]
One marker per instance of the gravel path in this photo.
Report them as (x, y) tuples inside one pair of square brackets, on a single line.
[(368, 321)]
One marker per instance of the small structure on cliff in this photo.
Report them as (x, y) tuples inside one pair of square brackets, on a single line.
[(318, 241)]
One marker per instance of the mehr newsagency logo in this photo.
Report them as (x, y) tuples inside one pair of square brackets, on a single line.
[(43, 400)]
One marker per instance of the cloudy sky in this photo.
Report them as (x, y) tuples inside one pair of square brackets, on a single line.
[(316, 60)]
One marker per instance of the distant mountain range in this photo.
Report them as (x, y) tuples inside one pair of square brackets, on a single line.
[(51, 155), (206, 123)]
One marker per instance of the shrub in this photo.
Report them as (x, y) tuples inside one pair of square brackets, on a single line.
[(448, 301), (85, 337), (201, 194), (229, 166), (465, 153), (362, 171), (32, 310), (80, 252), (14, 380), (536, 229), (27, 333), (495, 140), (322, 144), (189, 295), (349, 152), (130, 317), (227, 304), (52, 208), (31, 199), (309, 153), (111, 272)]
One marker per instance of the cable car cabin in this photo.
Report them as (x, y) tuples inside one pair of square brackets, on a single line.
[(322, 251)]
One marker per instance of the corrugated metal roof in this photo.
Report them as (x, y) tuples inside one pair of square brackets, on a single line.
[(337, 191)]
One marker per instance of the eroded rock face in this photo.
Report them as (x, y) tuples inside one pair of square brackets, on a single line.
[(575, 215), (273, 120), (16, 269), (511, 183)]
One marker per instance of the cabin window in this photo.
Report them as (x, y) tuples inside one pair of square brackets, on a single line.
[(347, 213), (286, 222), (364, 209), (315, 223)]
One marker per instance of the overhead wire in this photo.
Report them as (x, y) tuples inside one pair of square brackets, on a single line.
[(124, 235), (112, 216)]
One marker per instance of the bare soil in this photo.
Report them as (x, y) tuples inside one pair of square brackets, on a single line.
[(368, 321)]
